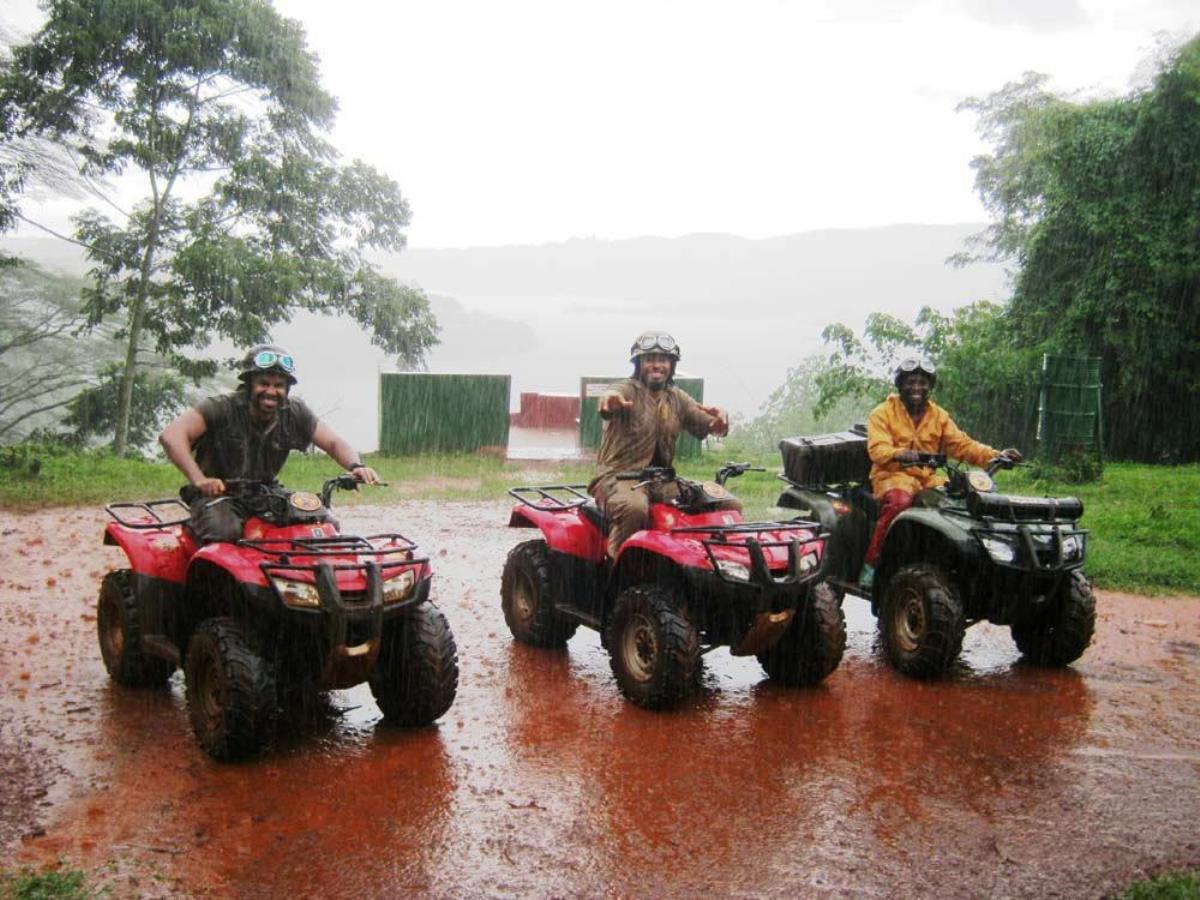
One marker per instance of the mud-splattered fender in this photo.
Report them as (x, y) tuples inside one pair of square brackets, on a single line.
[(160, 553), (243, 567), (565, 531)]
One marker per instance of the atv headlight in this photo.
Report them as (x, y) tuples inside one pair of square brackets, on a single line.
[(399, 588), (297, 593), (1072, 547), (808, 562), (733, 570), (1002, 550)]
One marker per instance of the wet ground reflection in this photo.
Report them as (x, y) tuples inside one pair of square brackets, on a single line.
[(999, 780)]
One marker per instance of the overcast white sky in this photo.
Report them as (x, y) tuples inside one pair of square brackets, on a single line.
[(540, 120)]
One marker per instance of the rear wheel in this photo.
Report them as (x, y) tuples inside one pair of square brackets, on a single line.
[(1061, 638), (416, 677), (654, 648), (230, 690), (119, 632), (922, 621), (526, 598), (812, 646)]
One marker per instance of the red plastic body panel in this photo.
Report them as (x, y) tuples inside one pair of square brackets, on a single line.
[(168, 553), (565, 530), (162, 553)]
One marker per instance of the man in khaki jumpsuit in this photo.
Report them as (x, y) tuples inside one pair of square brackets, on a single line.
[(643, 416)]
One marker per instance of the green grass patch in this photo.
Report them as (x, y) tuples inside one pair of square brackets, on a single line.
[(1177, 886), (53, 884), (1144, 520)]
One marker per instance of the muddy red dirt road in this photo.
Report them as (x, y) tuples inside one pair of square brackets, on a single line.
[(999, 781)]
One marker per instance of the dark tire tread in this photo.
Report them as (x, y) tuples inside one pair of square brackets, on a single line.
[(416, 678), (942, 641), (677, 672), (128, 666), (247, 688), (546, 628), (813, 645), (1060, 639)]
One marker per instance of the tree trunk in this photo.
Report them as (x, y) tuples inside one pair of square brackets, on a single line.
[(137, 315)]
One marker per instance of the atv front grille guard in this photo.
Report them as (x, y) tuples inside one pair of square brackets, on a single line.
[(150, 510), (552, 497), (324, 571), (283, 549), (1046, 558), (760, 572)]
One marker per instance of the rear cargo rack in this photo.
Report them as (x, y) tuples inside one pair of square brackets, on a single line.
[(150, 517), (552, 496)]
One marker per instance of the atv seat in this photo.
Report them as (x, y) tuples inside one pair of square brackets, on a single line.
[(862, 497), (594, 514)]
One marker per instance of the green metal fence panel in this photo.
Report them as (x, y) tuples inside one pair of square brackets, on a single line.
[(1069, 408), (591, 426), (424, 413)]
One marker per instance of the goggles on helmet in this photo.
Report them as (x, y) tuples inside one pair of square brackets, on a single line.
[(914, 364), (269, 359), (649, 342)]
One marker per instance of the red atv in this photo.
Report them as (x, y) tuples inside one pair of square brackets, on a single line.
[(699, 577), (293, 606)]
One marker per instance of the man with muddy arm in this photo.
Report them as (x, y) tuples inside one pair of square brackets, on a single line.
[(247, 435)]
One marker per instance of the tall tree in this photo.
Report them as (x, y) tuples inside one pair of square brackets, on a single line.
[(247, 216), (1098, 203), (44, 361)]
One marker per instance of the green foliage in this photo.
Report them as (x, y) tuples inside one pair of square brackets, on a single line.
[(1072, 467), (789, 411), (986, 378), (1098, 203), (224, 94), (1175, 886), (53, 884), (93, 411), (43, 358)]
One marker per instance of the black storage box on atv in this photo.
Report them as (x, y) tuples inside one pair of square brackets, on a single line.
[(823, 459)]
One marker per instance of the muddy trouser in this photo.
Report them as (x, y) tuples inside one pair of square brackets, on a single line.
[(627, 508), (216, 519)]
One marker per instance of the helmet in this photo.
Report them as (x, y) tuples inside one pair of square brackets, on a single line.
[(654, 342), (268, 358), (915, 364)]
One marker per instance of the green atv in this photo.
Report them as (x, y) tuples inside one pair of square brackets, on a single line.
[(961, 554)]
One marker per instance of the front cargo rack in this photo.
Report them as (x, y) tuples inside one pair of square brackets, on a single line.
[(283, 552), (552, 496), (759, 570)]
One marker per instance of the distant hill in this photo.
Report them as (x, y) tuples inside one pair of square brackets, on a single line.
[(893, 268), (744, 311)]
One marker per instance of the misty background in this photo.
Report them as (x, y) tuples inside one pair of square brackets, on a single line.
[(744, 311)]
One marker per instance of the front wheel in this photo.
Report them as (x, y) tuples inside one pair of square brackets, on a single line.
[(1061, 638), (654, 648), (119, 633), (230, 690), (525, 596), (922, 621), (813, 644), (416, 677)]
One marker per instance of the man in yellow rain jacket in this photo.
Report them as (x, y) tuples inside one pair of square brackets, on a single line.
[(904, 425)]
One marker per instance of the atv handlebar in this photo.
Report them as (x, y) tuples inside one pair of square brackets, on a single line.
[(346, 482), (733, 470)]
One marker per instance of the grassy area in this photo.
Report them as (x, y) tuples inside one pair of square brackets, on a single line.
[(1178, 886), (1144, 520), (54, 884)]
